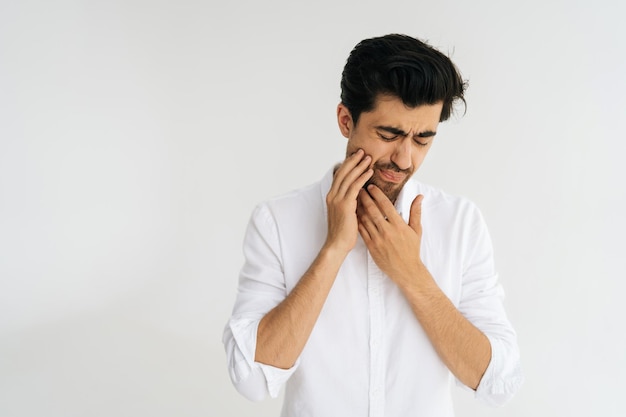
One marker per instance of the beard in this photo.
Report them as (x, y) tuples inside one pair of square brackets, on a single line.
[(390, 189)]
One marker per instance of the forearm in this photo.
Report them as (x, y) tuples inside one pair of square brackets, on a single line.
[(464, 349), (284, 331)]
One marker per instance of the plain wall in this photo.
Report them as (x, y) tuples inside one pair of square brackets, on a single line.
[(137, 136)]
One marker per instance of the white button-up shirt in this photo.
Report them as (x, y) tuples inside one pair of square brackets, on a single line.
[(367, 354)]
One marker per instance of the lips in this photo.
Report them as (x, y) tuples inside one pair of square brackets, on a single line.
[(392, 176)]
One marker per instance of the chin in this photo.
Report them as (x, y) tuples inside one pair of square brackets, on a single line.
[(390, 189)]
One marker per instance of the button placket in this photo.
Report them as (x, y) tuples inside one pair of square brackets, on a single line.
[(375, 279)]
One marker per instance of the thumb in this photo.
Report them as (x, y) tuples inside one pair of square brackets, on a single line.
[(415, 219)]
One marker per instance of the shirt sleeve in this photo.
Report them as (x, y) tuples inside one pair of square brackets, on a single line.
[(482, 304), (261, 288)]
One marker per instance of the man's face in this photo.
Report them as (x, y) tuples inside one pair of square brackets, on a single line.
[(395, 136)]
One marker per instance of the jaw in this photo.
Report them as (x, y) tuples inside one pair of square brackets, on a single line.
[(390, 189)]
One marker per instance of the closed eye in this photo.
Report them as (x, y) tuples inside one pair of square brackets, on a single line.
[(388, 138), (389, 133)]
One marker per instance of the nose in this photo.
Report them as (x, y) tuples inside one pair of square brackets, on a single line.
[(402, 153)]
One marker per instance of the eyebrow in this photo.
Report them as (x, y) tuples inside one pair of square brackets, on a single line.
[(400, 132)]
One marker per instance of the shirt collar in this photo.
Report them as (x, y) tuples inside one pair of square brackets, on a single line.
[(409, 191)]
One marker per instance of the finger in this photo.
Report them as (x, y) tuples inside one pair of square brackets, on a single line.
[(383, 203), (366, 222), (364, 234), (415, 219), (348, 165), (357, 185), (371, 213), (355, 174)]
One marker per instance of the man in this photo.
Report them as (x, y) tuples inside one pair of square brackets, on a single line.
[(366, 294)]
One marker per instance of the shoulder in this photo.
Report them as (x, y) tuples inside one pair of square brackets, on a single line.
[(441, 202), (291, 205), (293, 222), (441, 199), (300, 197), (444, 213)]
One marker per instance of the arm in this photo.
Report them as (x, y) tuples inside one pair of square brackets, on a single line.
[(268, 330), (395, 246), (464, 349), (284, 331)]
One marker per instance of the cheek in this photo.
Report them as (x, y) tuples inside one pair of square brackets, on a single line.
[(353, 145), (372, 147), (378, 150)]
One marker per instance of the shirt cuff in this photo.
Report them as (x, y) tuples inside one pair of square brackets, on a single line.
[(503, 376), (242, 363), (276, 377)]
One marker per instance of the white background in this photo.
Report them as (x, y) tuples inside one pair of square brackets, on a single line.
[(137, 136)]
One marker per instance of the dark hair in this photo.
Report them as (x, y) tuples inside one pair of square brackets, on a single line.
[(401, 66)]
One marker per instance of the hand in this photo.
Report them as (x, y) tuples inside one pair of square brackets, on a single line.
[(349, 178), (394, 245)]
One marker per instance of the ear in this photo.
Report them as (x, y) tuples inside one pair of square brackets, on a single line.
[(344, 119)]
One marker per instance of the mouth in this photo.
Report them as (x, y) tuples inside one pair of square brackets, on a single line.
[(392, 176)]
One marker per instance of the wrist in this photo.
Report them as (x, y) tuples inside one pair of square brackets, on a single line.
[(334, 250), (417, 281)]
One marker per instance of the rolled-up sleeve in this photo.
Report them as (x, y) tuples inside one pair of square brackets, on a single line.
[(482, 304), (261, 288)]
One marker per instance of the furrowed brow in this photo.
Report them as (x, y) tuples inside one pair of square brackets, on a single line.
[(393, 130), (426, 134)]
